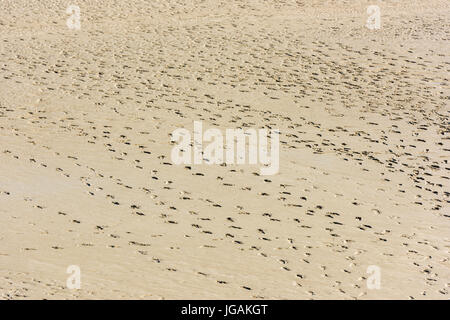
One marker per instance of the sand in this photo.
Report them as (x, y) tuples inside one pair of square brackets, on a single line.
[(86, 177)]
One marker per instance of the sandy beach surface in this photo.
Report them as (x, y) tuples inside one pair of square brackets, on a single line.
[(87, 180)]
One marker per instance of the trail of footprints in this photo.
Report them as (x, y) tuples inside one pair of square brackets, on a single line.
[(136, 104)]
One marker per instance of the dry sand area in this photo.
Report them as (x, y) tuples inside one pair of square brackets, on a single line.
[(86, 176)]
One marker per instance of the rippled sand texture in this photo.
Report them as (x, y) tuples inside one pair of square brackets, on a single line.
[(86, 176)]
